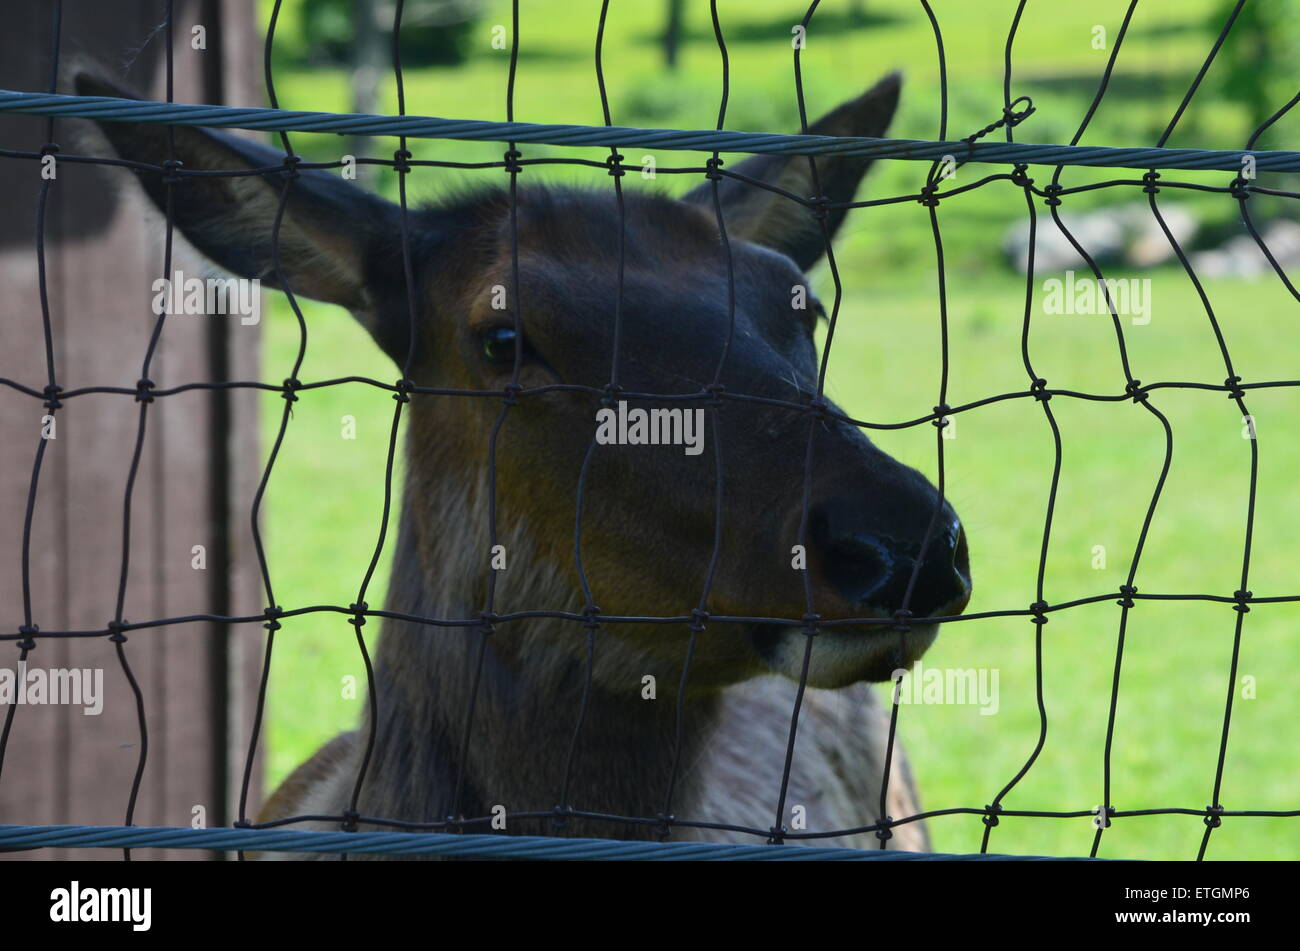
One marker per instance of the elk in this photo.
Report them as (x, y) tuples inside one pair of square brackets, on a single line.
[(648, 518)]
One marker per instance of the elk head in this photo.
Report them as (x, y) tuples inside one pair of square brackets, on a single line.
[(648, 518)]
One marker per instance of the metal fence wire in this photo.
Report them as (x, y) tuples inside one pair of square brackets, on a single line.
[(432, 837)]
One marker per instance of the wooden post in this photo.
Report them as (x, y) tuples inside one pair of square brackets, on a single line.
[(200, 464)]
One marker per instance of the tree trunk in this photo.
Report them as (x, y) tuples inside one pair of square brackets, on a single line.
[(371, 61), (673, 32)]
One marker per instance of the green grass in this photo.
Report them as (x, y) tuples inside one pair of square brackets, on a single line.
[(325, 499)]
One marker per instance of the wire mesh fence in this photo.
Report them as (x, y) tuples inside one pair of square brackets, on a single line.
[(400, 835)]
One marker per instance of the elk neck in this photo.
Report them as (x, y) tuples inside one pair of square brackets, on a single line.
[(531, 686)]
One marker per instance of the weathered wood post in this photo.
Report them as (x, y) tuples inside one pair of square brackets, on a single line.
[(190, 541)]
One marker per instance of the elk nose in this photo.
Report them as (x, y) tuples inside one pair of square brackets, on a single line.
[(872, 566)]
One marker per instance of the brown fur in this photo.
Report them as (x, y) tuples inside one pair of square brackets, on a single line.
[(528, 700)]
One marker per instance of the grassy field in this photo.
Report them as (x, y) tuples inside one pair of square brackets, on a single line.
[(885, 367)]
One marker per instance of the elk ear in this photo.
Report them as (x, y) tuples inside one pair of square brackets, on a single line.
[(334, 237), (766, 218)]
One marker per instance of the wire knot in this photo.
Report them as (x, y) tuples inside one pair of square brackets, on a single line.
[(817, 406), (591, 614), (487, 622), (699, 617), (712, 169), (28, 632), (1150, 179), (404, 388), (291, 166), (271, 614), (1039, 389), (52, 396), (1013, 118), (776, 835), (170, 169), (1214, 816), (810, 622), (560, 816), (287, 390), (902, 620), (1134, 389), (990, 817), (666, 820), (928, 196), (144, 390), (50, 148), (1039, 611), (612, 391), (1128, 591), (512, 391), (1052, 192), (886, 833), (358, 609), (715, 391), (1235, 392), (941, 414), (614, 164), (512, 158), (1010, 118), (117, 637), (1019, 178), (1239, 189), (1241, 597), (349, 823), (818, 206), (402, 161)]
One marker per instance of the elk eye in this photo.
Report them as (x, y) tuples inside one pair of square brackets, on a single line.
[(499, 344)]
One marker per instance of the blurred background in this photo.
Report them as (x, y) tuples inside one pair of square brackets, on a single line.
[(662, 68)]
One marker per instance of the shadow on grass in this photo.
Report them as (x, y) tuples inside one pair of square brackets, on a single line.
[(1135, 84), (533, 53), (1166, 30), (778, 29)]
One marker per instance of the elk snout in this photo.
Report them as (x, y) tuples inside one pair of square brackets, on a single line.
[(870, 558)]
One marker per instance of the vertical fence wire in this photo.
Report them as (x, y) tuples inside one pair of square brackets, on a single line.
[(289, 392), (28, 629), (144, 397)]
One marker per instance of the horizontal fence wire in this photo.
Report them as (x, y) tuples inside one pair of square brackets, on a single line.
[(536, 847), (455, 835), (109, 109)]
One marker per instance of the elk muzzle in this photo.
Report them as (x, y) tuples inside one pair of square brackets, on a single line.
[(873, 554)]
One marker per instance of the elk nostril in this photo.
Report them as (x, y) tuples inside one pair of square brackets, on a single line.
[(870, 561), (858, 565)]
